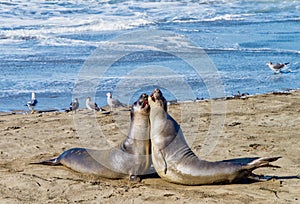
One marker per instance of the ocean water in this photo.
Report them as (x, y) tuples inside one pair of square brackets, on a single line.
[(45, 45)]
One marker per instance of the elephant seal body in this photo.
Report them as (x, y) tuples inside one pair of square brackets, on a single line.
[(175, 162), (131, 157)]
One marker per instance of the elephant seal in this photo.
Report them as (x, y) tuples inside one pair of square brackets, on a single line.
[(175, 162), (131, 157)]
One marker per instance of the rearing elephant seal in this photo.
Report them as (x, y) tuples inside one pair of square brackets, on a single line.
[(175, 162), (131, 157)]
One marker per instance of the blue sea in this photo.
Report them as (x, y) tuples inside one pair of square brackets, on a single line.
[(45, 47)]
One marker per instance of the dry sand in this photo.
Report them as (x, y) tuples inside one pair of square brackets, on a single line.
[(262, 125)]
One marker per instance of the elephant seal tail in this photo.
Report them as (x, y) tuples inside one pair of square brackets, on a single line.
[(57, 160), (261, 162), (52, 162)]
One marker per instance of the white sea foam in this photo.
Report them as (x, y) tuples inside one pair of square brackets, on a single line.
[(45, 21), (44, 43)]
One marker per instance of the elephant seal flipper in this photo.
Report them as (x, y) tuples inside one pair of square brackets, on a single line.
[(175, 162), (262, 162), (50, 162), (163, 160), (131, 157), (58, 160)]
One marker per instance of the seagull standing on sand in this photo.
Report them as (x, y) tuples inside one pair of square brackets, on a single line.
[(73, 106), (32, 103), (113, 103), (90, 105), (276, 67)]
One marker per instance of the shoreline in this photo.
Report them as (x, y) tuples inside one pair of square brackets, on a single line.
[(260, 125), (242, 96)]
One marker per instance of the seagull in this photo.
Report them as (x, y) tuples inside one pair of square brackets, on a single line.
[(73, 106), (92, 106), (113, 103), (32, 103), (276, 67), (241, 95)]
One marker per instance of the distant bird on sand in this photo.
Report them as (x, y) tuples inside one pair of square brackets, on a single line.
[(32, 103), (241, 95), (73, 106), (92, 106), (113, 103), (276, 67)]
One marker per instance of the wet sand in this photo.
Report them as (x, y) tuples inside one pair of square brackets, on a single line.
[(262, 125)]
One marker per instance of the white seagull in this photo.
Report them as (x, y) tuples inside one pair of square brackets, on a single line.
[(74, 105), (113, 103), (90, 105), (276, 67), (32, 103)]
